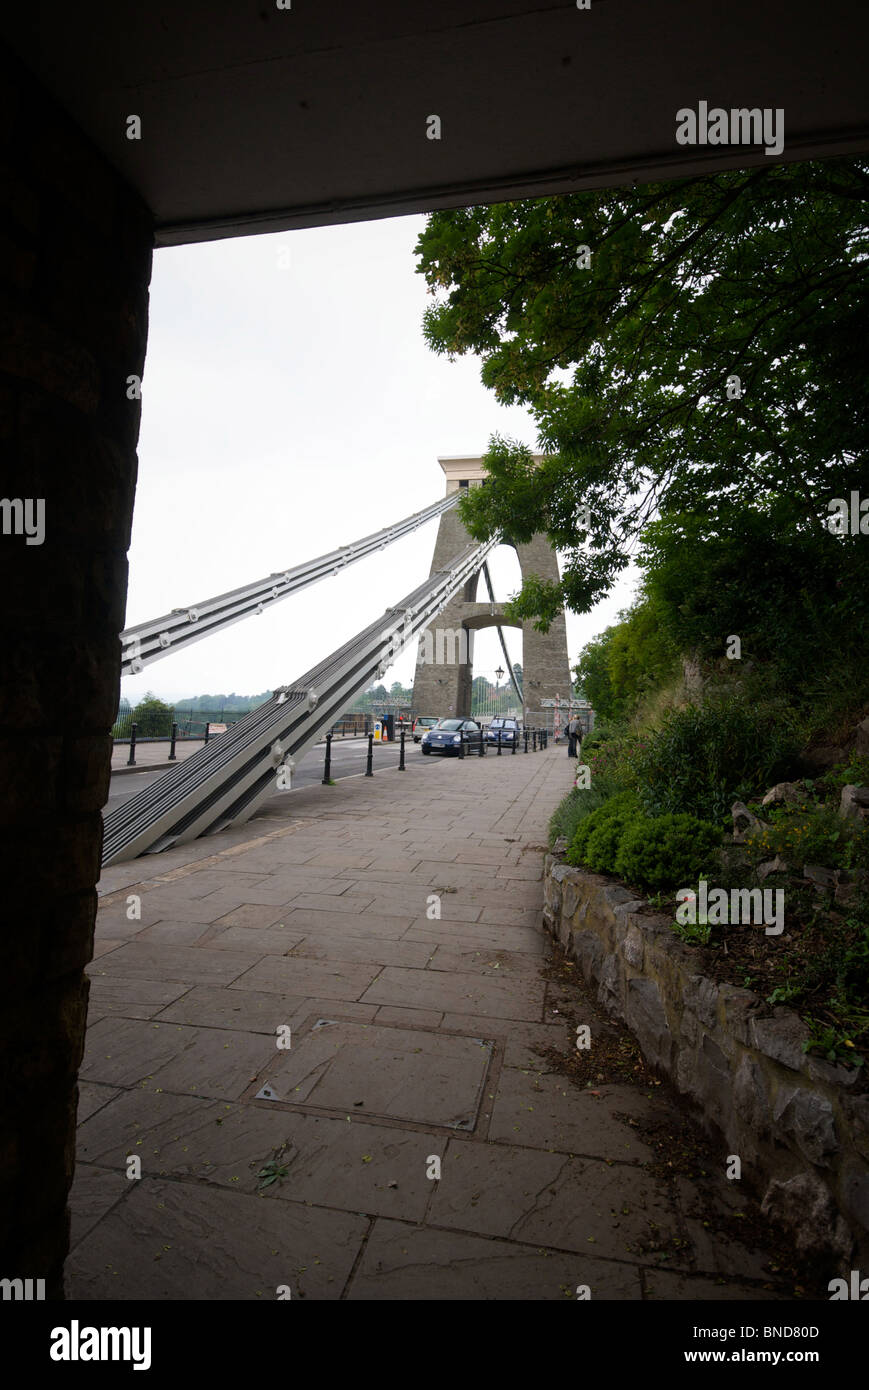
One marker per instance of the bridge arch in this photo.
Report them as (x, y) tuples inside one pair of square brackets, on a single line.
[(443, 686)]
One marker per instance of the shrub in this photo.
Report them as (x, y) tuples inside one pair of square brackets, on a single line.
[(613, 763), (602, 845), (616, 811), (666, 851), (811, 835), (579, 803), (705, 756)]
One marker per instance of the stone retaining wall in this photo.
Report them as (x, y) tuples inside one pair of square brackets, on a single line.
[(793, 1120)]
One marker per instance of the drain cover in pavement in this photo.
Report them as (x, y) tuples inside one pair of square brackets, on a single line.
[(430, 1078)]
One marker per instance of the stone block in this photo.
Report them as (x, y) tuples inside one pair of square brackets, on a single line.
[(781, 1037), (647, 1018), (808, 1119), (700, 994), (632, 947), (750, 1096), (805, 1206)]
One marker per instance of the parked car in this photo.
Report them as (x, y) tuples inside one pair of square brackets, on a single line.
[(450, 734), (423, 724), (507, 728)]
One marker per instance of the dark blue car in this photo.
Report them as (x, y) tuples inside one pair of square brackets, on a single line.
[(450, 734), (507, 728)]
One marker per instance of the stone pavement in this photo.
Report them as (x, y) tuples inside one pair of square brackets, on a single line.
[(391, 928), (153, 754)]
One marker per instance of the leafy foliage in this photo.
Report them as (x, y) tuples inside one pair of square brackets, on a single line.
[(705, 756), (665, 851), (807, 834), (616, 811), (152, 717), (627, 660), (579, 803), (755, 272)]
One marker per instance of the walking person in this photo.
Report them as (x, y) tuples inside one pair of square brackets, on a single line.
[(574, 737)]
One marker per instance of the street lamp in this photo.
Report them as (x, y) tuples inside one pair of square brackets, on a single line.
[(499, 673)]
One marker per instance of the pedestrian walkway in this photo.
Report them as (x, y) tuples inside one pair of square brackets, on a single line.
[(150, 755), (314, 1063)]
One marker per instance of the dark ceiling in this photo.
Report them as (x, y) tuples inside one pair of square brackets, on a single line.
[(258, 119)]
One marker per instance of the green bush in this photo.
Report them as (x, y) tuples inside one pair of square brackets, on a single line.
[(666, 851), (705, 756), (602, 845), (615, 812)]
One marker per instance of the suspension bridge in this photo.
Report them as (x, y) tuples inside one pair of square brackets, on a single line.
[(224, 782)]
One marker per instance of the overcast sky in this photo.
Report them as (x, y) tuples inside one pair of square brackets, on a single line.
[(290, 405)]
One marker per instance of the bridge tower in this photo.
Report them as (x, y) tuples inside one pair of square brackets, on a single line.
[(445, 655)]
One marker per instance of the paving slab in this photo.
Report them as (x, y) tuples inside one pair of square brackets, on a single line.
[(325, 979), (477, 935), (94, 1192), (92, 1096), (416, 1263), (174, 1057), (157, 960), (457, 992), (249, 1010), (341, 946), (394, 1073), (132, 998), (278, 940), (663, 1284), (547, 1112), (547, 1199), (351, 923), (151, 1246), (492, 962)]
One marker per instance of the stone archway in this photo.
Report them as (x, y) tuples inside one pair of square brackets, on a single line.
[(444, 669)]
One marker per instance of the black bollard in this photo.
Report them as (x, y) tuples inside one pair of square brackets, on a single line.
[(481, 751), (171, 758), (499, 743), (526, 740), (131, 761), (207, 727), (327, 766), (369, 771), (534, 740), (401, 766), (514, 740), (461, 744)]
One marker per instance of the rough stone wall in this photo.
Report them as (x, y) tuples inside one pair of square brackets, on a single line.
[(794, 1121), (76, 261)]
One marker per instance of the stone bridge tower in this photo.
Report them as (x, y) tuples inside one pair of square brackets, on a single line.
[(442, 682)]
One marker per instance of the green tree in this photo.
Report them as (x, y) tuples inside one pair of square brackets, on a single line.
[(627, 661), (757, 274), (153, 718), (760, 574)]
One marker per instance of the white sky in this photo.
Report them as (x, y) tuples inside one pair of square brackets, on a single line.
[(289, 405)]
